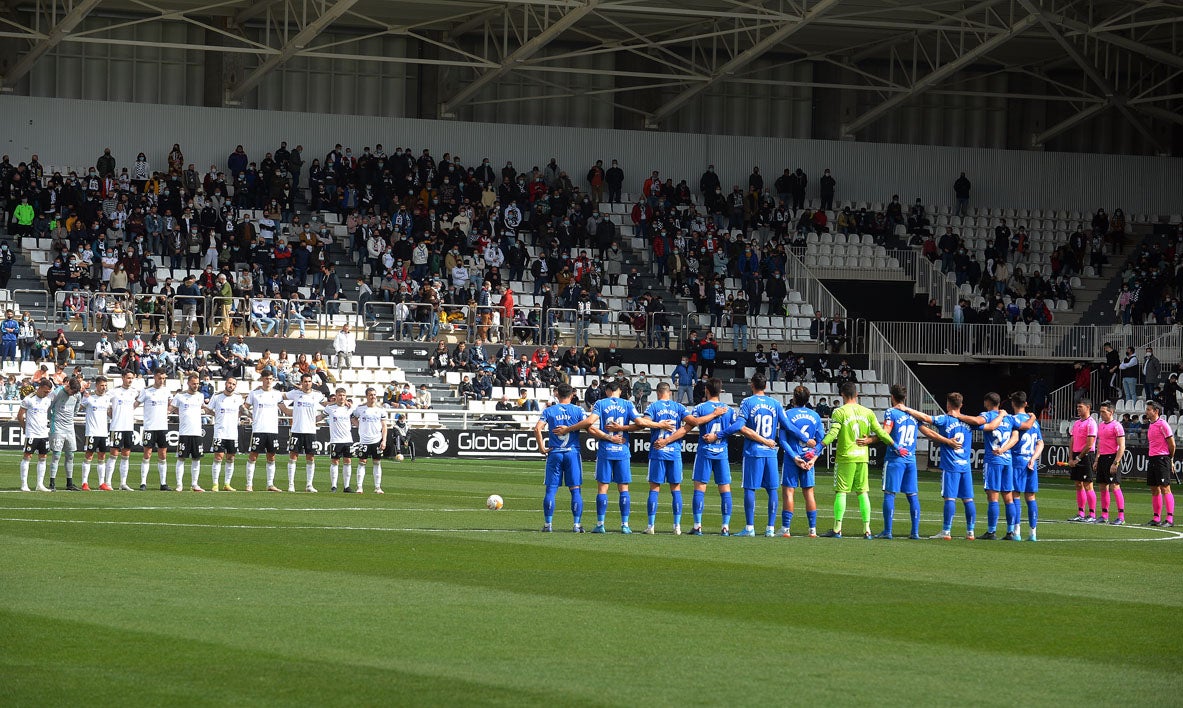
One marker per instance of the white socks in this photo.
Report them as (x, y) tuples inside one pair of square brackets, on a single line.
[(270, 473), (216, 470), (250, 473), (124, 463), (24, 473), (310, 471), (194, 472), (361, 475), (377, 475)]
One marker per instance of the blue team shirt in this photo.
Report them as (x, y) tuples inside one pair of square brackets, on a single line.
[(904, 431), (998, 436), (614, 410), (810, 424), (1028, 439), (765, 416), (661, 411), (559, 415), (718, 449), (954, 460)]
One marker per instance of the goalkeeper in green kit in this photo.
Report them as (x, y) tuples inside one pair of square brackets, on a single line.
[(854, 427)]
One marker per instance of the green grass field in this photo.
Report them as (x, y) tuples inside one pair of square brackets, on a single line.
[(422, 597)]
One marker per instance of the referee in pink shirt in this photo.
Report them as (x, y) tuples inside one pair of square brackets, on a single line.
[(1110, 450), (1082, 463), (1158, 472)]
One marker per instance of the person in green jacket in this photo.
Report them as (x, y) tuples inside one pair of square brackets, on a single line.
[(23, 216)]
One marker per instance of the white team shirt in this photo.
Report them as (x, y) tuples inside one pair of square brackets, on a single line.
[(305, 407), (37, 416), (226, 413), (264, 410), (369, 423), (123, 409), (189, 407), (97, 410), (155, 402), (340, 424)]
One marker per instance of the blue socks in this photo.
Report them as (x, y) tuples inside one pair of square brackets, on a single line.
[(725, 507), (888, 511), (914, 512), (548, 504), (786, 518), (697, 502), (601, 508), (772, 507), (677, 495), (1032, 513), (577, 504), (971, 515), (992, 515), (1012, 515), (625, 505), (651, 507), (749, 506), (947, 516), (812, 516)]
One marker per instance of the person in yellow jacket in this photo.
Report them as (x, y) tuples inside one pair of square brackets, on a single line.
[(23, 218)]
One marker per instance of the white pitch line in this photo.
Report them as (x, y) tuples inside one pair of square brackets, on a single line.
[(259, 508)]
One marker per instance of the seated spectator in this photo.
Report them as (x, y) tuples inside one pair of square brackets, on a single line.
[(483, 385), (641, 391), (525, 402), (423, 399), (104, 351), (503, 404)]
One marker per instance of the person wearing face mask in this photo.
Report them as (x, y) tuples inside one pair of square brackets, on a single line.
[(826, 189), (614, 177)]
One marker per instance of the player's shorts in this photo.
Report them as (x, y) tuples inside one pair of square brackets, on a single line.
[(899, 475), (339, 450), (957, 485), (37, 445), (302, 443), (63, 443), (1026, 480), (613, 471), (226, 446), (1107, 472), (155, 439), (707, 467), (998, 477), (850, 477), (1083, 471), (665, 471), (564, 468), (367, 451), (793, 476), (122, 439), (760, 473), (191, 446), (1158, 472), (97, 443), (264, 442)]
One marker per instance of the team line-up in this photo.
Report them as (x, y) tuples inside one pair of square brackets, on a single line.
[(1013, 446), (47, 416)]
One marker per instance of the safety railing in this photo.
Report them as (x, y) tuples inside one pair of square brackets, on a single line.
[(37, 302), (947, 340), (799, 278), (887, 362)]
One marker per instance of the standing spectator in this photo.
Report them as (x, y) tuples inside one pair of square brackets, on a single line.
[(595, 178), (683, 378), (1151, 372), (826, 189), (344, 345), (739, 322), (1112, 370), (9, 333), (641, 391), (961, 191), (1129, 375), (615, 179)]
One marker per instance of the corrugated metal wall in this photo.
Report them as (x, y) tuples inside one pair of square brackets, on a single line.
[(72, 132)]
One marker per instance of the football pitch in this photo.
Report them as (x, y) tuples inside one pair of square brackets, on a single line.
[(423, 597)]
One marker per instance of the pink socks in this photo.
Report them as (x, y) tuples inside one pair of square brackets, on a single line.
[(1080, 498), (1156, 504), (1105, 503), (1170, 502), (1119, 497), (1091, 496)]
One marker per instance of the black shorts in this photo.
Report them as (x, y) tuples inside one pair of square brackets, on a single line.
[(265, 442), (1083, 471), (37, 445), (367, 451), (97, 443), (155, 439), (339, 450), (1158, 472), (302, 443), (122, 439), (226, 446), (1107, 472), (191, 446)]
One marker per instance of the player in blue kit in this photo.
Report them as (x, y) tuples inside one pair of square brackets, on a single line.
[(563, 464), (1025, 461), (956, 473), (711, 418), (1001, 435), (665, 454), (899, 473), (760, 420), (797, 470), (610, 419)]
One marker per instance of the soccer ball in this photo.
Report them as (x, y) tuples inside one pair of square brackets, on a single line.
[(399, 457), (494, 502)]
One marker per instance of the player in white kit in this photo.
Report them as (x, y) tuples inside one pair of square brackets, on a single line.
[(339, 414), (62, 439), (96, 407), (155, 399), (226, 408), (265, 405), (372, 427), (188, 405), (306, 406), (33, 415), (123, 402)]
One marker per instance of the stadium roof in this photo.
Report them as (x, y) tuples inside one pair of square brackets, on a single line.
[(1098, 55)]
